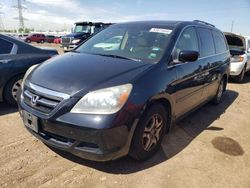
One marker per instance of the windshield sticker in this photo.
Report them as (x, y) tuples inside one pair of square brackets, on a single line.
[(160, 30)]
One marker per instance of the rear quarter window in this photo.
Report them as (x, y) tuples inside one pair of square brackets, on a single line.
[(219, 41), (206, 42), (5, 47)]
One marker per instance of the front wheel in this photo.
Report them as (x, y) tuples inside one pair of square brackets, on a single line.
[(149, 133), (42, 41), (240, 77)]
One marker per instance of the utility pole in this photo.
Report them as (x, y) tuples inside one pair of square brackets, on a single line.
[(20, 17), (232, 26), (1, 21)]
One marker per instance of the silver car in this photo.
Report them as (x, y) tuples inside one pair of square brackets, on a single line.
[(240, 55)]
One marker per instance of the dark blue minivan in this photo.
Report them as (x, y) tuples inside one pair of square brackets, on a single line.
[(120, 91)]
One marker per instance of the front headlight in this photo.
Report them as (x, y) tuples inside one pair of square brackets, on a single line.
[(75, 41), (237, 59), (27, 74), (104, 101)]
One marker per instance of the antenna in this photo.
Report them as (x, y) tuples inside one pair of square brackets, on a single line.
[(20, 17), (1, 21), (232, 25)]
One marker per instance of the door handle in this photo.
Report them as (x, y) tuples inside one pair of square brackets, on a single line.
[(4, 61)]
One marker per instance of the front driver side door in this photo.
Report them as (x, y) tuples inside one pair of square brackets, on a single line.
[(6, 56), (190, 79)]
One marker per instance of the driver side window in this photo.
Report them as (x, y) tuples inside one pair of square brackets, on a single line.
[(5, 47), (187, 41)]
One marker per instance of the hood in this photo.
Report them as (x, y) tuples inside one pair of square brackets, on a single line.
[(236, 42), (76, 35), (72, 73)]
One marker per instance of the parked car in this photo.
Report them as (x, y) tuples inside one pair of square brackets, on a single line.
[(39, 38), (58, 40), (50, 38), (240, 51), (15, 58), (22, 37), (81, 32), (104, 104)]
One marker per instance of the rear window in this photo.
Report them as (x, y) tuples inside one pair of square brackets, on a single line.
[(5, 47), (207, 42), (219, 41)]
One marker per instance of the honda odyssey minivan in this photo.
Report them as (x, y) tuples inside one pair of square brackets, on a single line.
[(103, 103)]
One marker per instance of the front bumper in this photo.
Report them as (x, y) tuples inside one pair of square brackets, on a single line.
[(68, 47), (236, 68), (74, 133)]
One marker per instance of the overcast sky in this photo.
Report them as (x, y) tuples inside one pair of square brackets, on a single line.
[(59, 14)]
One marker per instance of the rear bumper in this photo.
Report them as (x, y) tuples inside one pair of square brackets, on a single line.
[(236, 68)]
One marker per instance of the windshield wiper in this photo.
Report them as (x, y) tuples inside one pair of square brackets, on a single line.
[(120, 57), (75, 51)]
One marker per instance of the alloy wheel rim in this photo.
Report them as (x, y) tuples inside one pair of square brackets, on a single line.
[(152, 132), (220, 89), (15, 88)]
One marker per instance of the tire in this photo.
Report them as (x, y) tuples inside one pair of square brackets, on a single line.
[(149, 133), (42, 41), (220, 91), (240, 77), (28, 41), (11, 89)]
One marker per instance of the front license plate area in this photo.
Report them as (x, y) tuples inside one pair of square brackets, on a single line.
[(30, 121)]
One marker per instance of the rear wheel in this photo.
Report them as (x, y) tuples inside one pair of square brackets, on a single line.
[(11, 89), (28, 41), (240, 78), (149, 133), (220, 91), (42, 41)]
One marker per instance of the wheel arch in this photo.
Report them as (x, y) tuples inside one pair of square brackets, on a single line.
[(167, 103)]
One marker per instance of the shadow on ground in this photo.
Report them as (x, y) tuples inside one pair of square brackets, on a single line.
[(174, 142), (6, 109)]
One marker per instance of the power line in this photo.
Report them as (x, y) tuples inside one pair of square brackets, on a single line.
[(20, 9), (1, 21)]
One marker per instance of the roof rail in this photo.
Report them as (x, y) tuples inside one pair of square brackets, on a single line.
[(199, 21)]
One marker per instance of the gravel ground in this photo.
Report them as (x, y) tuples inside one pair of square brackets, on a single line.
[(209, 148)]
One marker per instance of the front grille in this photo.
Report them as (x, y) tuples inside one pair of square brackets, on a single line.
[(42, 103), (66, 40)]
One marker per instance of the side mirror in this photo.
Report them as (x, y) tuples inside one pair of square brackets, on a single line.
[(189, 56)]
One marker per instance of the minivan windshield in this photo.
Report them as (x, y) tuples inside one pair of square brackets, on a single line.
[(138, 43)]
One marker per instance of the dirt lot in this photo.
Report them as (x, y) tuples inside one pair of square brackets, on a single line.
[(209, 148)]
